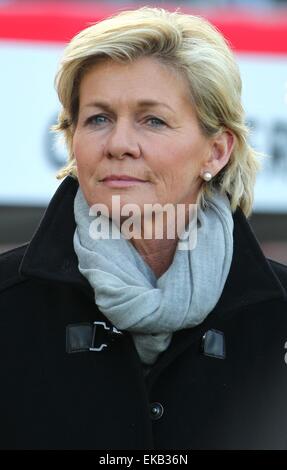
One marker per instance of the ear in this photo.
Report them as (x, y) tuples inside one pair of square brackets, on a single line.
[(220, 151)]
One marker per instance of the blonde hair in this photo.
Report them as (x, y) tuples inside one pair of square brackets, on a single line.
[(188, 44)]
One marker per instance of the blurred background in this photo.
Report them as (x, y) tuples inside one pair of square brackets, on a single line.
[(32, 37)]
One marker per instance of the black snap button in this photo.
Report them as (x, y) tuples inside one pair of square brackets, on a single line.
[(156, 410)]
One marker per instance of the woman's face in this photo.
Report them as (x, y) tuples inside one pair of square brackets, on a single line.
[(137, 120)]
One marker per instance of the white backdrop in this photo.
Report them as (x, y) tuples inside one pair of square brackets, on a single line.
[(29, 160)]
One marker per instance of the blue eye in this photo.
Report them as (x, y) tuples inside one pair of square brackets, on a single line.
[(158, 122), (96, 119)]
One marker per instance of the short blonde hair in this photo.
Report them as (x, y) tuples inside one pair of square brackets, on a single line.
[(188, 44)]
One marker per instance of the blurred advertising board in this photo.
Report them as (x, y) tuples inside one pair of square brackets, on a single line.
[(32, 38)]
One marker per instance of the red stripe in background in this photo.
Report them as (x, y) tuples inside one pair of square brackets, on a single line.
[(247, 31)]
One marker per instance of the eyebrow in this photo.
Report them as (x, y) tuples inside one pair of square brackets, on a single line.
[(139, 104)]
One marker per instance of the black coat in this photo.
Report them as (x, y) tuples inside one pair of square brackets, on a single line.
[(222, 384)]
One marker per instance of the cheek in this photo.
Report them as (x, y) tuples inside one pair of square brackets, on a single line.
[(77, 147), (192, 156), (176, 161), (84, 150)]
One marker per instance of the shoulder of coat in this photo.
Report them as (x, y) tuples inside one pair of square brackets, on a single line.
[(280, 270), (9, 267)]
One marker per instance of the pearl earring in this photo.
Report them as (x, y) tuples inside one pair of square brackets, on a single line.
[(207, 176)]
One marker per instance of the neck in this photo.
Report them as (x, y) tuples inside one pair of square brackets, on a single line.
[(158, 250), (156, 236), (158, 254)]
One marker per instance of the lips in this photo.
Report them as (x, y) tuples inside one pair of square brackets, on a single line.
[(121, 178), (122, 181)]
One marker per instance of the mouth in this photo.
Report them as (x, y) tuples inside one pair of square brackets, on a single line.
[(118, 181)]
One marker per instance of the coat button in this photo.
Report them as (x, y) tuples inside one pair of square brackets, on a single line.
[(156, 410)]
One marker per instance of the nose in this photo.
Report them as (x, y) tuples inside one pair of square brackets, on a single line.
[(122, 142)]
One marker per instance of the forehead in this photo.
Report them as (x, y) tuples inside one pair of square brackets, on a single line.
[(145, 77)]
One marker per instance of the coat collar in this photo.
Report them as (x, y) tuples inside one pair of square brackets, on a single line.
[(50, 255)]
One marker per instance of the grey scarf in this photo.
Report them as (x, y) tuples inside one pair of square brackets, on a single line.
[(127, 291)]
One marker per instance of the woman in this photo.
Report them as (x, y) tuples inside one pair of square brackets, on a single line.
[(133, 342)]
